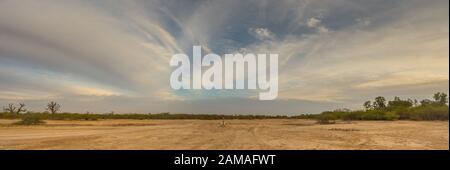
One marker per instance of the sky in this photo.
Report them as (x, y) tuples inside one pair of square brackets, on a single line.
[(113, 56)]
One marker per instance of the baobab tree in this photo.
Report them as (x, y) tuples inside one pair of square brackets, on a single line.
[(13, 109), (10, 108), (53, 107), (21, 108)]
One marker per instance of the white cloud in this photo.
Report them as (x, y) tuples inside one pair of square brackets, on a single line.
[(261, 33), (313, 22), (407, 52), (316, 24)]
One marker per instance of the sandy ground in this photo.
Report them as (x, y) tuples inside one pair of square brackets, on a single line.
[(237, 134)]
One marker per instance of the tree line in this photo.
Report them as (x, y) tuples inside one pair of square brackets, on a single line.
[(396, 109), (378, 109), (440, 99), (51, 107)]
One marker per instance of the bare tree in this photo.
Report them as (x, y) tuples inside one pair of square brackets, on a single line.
[(53, 107), (21, 108), (10, 108)]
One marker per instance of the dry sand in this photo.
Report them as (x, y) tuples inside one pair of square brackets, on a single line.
[(237, 134)]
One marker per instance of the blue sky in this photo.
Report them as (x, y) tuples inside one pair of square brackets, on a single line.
[(103, 56)]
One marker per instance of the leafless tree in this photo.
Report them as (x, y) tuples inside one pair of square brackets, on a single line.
[(53, 107), (21, 108), (10, 108)]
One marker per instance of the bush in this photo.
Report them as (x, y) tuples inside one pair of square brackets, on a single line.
[(378, 115), (427, 112), (359, 115), (327, 118), (424, 112), (30, 120), (391, 116)]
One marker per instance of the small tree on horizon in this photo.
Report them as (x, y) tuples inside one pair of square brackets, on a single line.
[(379, 103), (399, 103), (368, 105), (21, 108), (440, 98), (53, 107), (11, 108)]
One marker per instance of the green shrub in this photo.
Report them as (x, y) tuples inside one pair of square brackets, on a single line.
[(391, 116), (327, 118), (359, 115), (30, 120), (424, 112), (429, 112), (378, 115)]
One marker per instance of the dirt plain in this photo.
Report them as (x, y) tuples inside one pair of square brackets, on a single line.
[(283, 134)]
